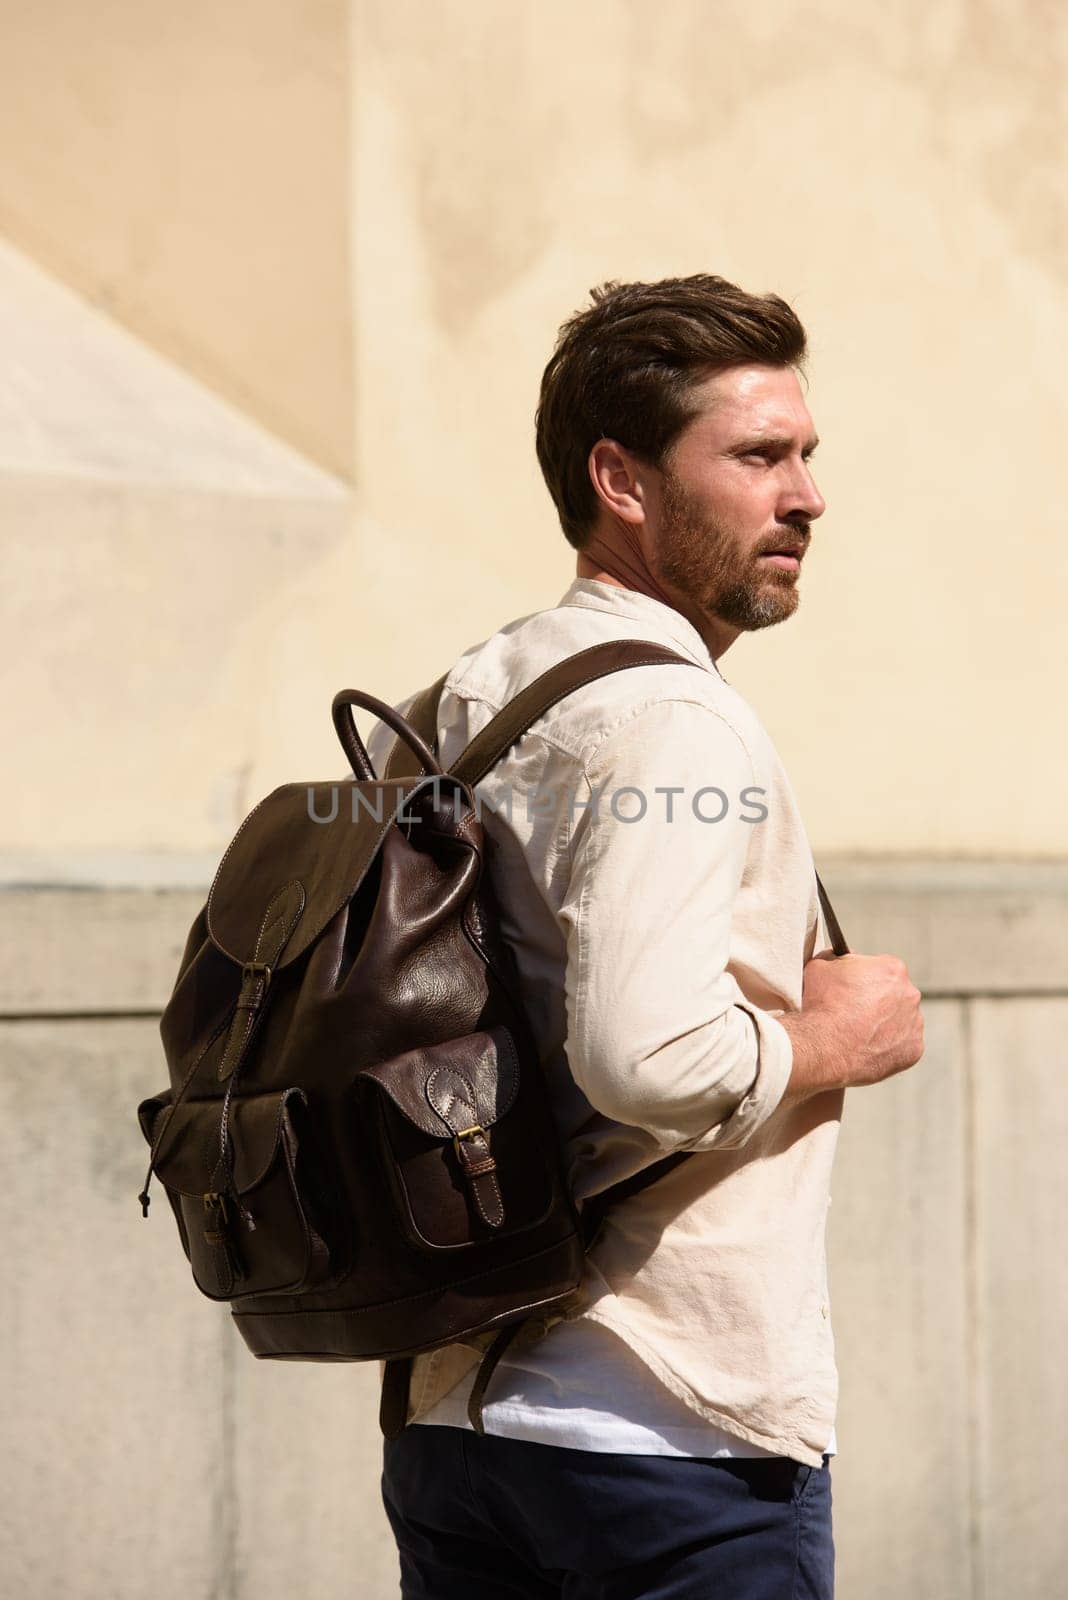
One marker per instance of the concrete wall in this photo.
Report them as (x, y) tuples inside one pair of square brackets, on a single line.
[(147, 1452)]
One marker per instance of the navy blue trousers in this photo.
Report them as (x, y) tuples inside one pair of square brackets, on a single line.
[(484, 1518)]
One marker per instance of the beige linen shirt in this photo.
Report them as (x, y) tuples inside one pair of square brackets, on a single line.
[(658, 889)]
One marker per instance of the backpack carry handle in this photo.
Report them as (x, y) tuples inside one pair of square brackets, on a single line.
[(353, 745)]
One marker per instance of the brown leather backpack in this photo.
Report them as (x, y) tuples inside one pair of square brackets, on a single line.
[(356, 1142)]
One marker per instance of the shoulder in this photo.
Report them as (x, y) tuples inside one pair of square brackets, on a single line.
[(663, 736), (492, 673)]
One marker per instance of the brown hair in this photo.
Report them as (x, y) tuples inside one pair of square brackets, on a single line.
[(625, 367)]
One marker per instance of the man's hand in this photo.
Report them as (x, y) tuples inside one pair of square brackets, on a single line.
[(860, 1022)]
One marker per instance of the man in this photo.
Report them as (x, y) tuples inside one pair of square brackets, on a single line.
[(669, 1435)]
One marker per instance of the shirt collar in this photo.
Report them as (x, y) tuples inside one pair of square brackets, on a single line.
[(660, 619)]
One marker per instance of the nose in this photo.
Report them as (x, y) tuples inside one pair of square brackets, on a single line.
[(804, 500)]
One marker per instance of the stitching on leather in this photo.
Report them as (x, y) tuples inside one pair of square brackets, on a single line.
[(235, 1045), (450, 1102), (495, 1221), (464, 827), (379, 1305), (233, 842), (211, 1149), (223, 1282), (263, 924), (505, 1046), (489, 1179), (350, 893), (258, 1179), (286, 926), (504, 1041), (217, 1033)]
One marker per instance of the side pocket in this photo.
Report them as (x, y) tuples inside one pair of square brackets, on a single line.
[(260, 1228)]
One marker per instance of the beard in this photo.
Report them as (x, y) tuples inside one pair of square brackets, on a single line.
[(706, 562)]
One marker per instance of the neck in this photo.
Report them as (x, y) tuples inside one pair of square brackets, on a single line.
[(631, 572)]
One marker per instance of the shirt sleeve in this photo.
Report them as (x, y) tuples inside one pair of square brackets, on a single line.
[(659, 1035)]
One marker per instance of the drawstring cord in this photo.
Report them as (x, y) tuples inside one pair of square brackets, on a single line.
[(252, 973), (144, 1196)]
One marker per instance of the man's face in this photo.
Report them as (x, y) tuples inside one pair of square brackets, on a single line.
[(730, 526)]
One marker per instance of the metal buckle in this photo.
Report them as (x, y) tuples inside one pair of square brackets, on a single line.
[(465, 1133), (214, 1201), (254, 968)]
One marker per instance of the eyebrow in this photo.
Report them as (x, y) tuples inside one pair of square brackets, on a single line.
[(767, 441)]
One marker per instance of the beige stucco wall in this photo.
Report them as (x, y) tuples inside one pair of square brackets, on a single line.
[(186, 168), (898, 174), (365, 224)]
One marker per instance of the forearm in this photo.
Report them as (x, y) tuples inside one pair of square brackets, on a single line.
[(820, 1054)]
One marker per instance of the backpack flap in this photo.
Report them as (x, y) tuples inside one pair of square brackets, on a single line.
[(323, 848), (296, 860), (321, 837)]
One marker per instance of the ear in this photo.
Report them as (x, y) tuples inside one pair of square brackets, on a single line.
[(616, 476)]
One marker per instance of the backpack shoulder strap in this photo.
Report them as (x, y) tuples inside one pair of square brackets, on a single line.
[(510, 723), (498, 736), (834, 927)]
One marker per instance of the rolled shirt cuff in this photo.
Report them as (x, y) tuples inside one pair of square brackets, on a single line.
[(762, 1095)]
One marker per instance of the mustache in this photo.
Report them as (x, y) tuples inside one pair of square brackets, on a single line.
[(794, 541)]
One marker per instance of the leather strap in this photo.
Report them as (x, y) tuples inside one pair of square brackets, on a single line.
[(452, 1098), (279, 920), (486, 1368), (510, 723), (834, 927), (393, 1406), (594, 1211)]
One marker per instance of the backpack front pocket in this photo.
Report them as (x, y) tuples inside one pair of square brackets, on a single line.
[(253, 1217), (461, 1160)]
